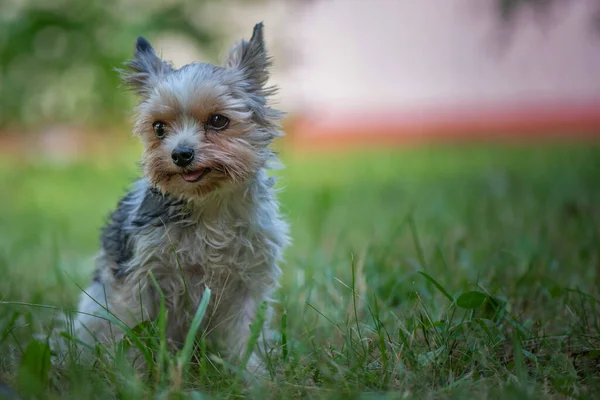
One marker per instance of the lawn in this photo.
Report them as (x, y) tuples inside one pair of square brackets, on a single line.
[(430, 272)]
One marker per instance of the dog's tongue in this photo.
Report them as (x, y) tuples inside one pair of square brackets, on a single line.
[(192, 176)]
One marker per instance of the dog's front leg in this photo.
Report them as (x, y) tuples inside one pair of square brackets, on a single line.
[(244, 324)]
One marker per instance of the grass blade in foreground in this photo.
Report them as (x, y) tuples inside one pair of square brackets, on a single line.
[(186, 353), (34, 369), (438, 286)]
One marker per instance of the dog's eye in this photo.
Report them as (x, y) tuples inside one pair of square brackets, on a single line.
[(218, 122), (159, 129)]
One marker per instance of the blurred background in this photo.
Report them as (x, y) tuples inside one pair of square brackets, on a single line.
[(456, 137), (350, 71)]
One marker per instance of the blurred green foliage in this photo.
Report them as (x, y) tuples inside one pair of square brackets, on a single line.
[(57, 58), (508, 8)]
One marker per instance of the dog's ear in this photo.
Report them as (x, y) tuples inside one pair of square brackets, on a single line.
[(251, 58), (143, 71)]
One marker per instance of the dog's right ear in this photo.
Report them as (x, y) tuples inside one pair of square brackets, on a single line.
[(144, 70)]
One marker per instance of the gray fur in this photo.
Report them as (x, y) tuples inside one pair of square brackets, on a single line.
[(252, 59), (131, 217), (145, 68), (7, 393)]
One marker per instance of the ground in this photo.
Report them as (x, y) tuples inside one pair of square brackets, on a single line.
[(430, 272)]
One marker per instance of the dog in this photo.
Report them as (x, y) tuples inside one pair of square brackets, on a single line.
[(205, 213)]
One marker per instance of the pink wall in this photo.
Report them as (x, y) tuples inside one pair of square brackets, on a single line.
[(411, 62), (405, 53)]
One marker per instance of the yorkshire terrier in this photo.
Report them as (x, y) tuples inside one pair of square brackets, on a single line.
[(205, 214)]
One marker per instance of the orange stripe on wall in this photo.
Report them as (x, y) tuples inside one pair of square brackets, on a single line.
[(480, 123)]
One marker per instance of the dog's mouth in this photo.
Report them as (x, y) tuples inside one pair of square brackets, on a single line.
[(195, 176)]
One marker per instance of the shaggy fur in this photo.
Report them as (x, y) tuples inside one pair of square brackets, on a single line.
[(223, 232)]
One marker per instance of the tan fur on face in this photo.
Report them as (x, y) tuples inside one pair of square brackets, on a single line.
[(229, 153)]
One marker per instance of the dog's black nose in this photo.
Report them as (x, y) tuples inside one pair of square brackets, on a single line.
[(182, 156)]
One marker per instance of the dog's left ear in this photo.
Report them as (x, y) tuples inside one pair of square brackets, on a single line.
[(145, 69), (252, 58)]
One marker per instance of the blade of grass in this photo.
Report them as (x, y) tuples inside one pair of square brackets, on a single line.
[(284, 343), (382, 344), (255, 331), (186, 352), (437, 285), (129, 333), (354, 306), (415, 236)]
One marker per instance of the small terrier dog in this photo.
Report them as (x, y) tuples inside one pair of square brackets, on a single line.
[(205, 214)]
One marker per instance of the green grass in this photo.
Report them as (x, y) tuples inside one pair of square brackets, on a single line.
[(436, 272)]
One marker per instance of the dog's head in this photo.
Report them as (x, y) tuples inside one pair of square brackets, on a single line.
[(203, 126)]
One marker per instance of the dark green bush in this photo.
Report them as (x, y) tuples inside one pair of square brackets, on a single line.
[(57, 57)]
